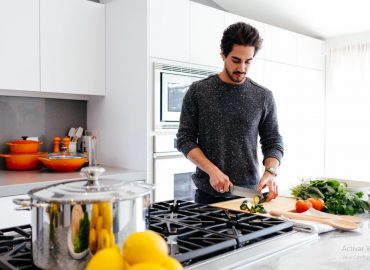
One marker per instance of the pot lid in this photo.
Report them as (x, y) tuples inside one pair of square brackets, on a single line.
[(91, 189), (62, 155)]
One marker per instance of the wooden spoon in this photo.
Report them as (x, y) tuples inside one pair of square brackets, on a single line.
[(317, 213), (338, 223)]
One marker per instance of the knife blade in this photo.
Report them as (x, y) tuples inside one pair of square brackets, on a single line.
[(244, 192)]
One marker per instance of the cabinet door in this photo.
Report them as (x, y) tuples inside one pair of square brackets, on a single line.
[(232, 18), (206, 29), (19, 46), (299, 96), (280, 45), (169, 29), (310, 52), (72, 46)]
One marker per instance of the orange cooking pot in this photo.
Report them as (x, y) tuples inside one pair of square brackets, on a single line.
[(24, 146), (63, 162), (22, 162)]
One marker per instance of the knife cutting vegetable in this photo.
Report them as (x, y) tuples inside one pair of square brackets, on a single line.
[(257, 198)]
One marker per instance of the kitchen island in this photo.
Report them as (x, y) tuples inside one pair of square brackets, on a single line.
[(334, 250)]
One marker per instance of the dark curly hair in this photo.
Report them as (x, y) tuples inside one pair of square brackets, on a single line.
[(242, 34)]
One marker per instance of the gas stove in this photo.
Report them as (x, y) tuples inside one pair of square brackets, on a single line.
[(205, 237), (199, 236), (15, 248)]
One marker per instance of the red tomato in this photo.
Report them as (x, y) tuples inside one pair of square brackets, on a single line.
[(301, 206), (319, 204), (311, 200)]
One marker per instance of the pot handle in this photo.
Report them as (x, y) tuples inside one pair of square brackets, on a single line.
[(26, 204), (5, 155)]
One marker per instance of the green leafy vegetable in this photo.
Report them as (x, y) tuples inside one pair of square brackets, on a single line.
[(337, 199), (81, 241), (253, 208)]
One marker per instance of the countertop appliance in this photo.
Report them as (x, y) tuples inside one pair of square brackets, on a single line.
[(199, 236)]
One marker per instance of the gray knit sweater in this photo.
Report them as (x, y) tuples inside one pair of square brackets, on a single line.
[(224, 121)]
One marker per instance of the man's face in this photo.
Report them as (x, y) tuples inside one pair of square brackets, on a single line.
[(237, 63)]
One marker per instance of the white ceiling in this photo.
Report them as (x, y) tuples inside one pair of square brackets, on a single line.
[(317, 18)]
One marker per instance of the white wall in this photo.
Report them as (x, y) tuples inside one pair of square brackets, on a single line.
[(121, 116), (348, 39)]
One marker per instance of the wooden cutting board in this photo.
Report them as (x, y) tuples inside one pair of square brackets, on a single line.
[(280, 203)]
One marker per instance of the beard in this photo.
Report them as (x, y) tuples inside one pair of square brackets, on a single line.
[(233, 78)]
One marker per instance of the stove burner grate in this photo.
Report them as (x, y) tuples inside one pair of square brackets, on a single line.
[(15, 248)]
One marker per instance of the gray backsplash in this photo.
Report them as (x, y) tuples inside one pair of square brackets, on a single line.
[(38, 117)]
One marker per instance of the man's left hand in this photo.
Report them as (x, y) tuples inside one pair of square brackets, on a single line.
[(268, 180)]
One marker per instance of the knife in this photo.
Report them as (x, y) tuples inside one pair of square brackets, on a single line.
[(244, 192), (247, 192)]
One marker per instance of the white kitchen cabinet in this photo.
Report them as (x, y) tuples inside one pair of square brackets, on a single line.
[(19, 46), (310, 52), (280, 45), (232, 18), (169, 29), (72, 37), (206, 29), (299, 97)]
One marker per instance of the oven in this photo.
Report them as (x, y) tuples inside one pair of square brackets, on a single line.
[(172, 171), (170, 85)]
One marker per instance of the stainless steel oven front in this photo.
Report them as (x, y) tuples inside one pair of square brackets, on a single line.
[(170, 85)]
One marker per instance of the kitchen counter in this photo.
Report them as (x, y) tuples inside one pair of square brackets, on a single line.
[(20, 182), (334, 250)]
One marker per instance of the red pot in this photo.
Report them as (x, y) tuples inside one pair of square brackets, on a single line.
[(22, 162), (24, 146)]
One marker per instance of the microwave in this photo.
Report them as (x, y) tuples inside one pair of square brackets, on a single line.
[(171, 83)]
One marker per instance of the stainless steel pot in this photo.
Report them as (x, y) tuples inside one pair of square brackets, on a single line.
[(68, 216)]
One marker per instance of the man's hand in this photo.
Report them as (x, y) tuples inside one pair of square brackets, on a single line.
[(219, 181), (268, 180)]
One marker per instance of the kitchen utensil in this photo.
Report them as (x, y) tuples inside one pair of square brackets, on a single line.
[(63, 214), (317, 213), (280, 203), (56, 142), (24, 146), (338, 223), (63, 162), (71, 132), (22, 162), (66, 141), (78, 134), (244, 192)]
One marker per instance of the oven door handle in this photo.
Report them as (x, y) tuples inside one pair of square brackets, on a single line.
[(163, 155)]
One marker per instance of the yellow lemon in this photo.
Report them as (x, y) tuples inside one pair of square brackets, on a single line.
[(94, 215), (146, 266), (103, 239), (102, 207), (126, 265), (108, 258), (107, 218), (92, 240), (99, 225), (112, 239), (145, 246), (172, 264)]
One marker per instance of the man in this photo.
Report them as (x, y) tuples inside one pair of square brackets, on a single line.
[(221, 119)]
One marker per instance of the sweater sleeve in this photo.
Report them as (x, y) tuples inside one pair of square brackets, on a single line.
[(187, 134), (270, 138)]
